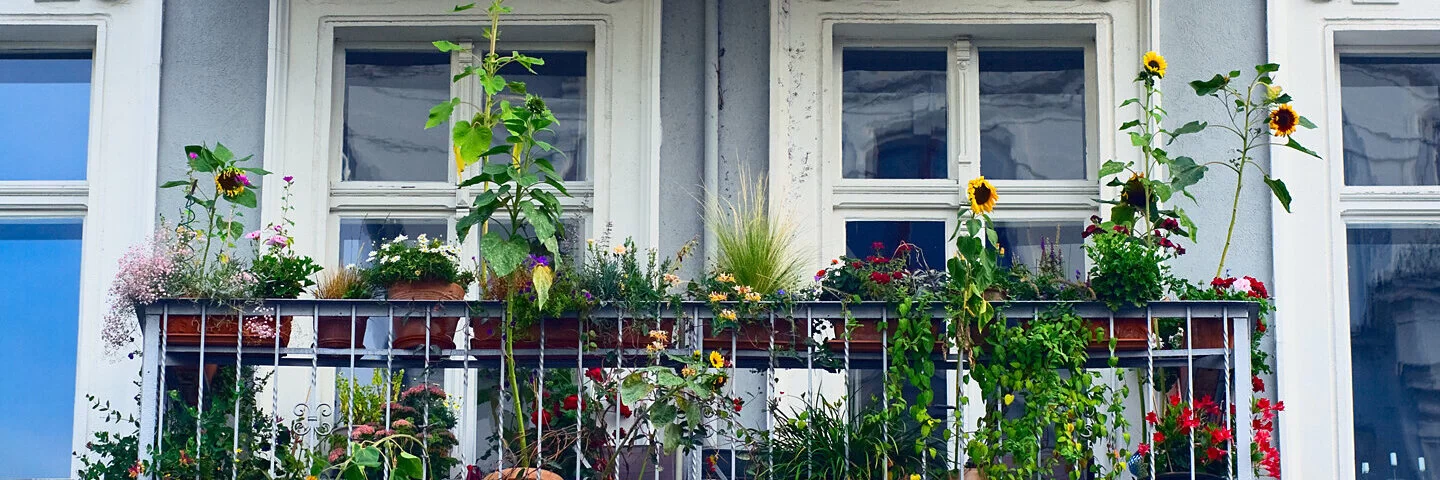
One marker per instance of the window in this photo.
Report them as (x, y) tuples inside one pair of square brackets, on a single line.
[(385, 93), (1391, 114), (911, 111), (44, 140)]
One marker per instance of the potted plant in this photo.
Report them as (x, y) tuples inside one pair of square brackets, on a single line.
[(885, 275), (277, 271), (420, 270), (641, 284), (742, 315), (418, 414), (556, 320), (829, 439), (342, 331)]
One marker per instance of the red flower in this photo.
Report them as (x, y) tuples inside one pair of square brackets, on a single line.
[(572, 402), (1280, 406), (834, 261), (472, 472), (594, 373), (625, 411), (856, 264), (738, 404), (1222, 283), (1159, 438), (878, 246), (1143, 449), (541, 417), (1120, 229), (1257, 384), (1169, 224), (1215, 453), (881, 260), (879, 277), (1257, 288), (1262, 404), (903, 248), (1175, 400), (1188, 421), (1260, 325), (1179, 249), (1152, 418), (898, 275), (1090, 230), (820, 274), (1220, 435)]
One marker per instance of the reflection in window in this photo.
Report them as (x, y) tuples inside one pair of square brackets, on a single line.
[(860, 237), (1024, 243), (1395, 347), (359, 237), (1032, 114), (894, 116), (45, 122), (388, 95), (39, 259), (1390, 109), (561, 83)]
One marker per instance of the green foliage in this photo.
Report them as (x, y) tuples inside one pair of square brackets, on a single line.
[(109, 454), (422, 260), (217, 190), (364, 403), (519, 181), (760, 250), (1125, 269), (812, 443), (911, 365), (640, 282), (346, 283), (280, 275), (419, 437), (1046, 282), (883, 275)]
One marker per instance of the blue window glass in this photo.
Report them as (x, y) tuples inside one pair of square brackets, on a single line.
[(893, 119), (1032, 114), (45, 121), (388, 95), (39, 259), (1026, 242), (1390, 111), (1395, 349), (561, 83), (929, 237)]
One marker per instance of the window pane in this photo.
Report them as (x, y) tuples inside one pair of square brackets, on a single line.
[(860, 237), (39, 259), (1025, 242), (359, 237), (894, 113), (45, 122), (1395, 347), (1390, 110), (561, 83), (388, 95), (1032, 114)]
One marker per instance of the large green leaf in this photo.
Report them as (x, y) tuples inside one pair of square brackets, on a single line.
[(1209, 87), (1305, 122), (447, 46), (440, 113), (1267, 68), (200, 159), (1111, 167), (1192, 127), (493, 83), (246, 198), (504, 256), (537, 219), (1296, 145), (1184, 172), (175, 183), (634, 387), (222, 154), (368, 456), (410, 466), (1281, 193), (354, 472), (473, 140)]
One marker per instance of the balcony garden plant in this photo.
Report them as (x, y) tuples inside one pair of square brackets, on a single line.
[(643, 286), (419, 270), (412, 436), (826, 439), (346, 283)]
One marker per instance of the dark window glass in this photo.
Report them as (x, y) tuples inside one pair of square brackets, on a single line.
[(1395, 348), (1390, 111), (860, 237), (45, 118), (894, 116), (388, 96), (360, 236), (1032, 114), (1025, 242), (561, 83)]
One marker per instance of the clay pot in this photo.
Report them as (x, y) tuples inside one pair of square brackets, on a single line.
[(334, 332), (865, 337), (756, 336), (410, 330), (221, 331), (1210, 333), (559, 333), (1131, 334), (523, 474)]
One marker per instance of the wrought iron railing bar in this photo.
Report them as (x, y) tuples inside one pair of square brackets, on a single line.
[(500, 400), (1190, 384), (425, 407), (235, 415), (350, 405), (809, 384), (389, 372), (885, 392), (160, 415), (274, 390), (769, 396), (734, 373), (583, 391), (200, 391), (849, 392), (1229, 393), (1148, 386), (539, 405)]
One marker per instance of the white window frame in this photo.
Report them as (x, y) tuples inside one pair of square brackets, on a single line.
[(122, 151), (805, 129), (1313, 352)]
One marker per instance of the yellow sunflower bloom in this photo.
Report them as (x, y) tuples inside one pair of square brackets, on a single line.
[(1155, 64), (982, 196), (1284, 120), (231, 182), (717, 360)]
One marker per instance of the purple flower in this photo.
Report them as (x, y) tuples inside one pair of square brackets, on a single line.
[(240, 177), (588, 297), (780, 292), (538, 260), (276, 228), (289, 179), (255, 235), (278, 240), (193, 155)]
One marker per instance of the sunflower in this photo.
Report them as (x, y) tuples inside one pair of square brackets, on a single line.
[(1133, 193), (717, 360), (1284, 120), (982, 196), (1155, 64), (231, 182)]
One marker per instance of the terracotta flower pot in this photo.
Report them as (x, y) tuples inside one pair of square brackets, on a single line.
[(866, 337), (1185, 476), (558, 332), (756, 336), (1210, 333), (523, 474), (334, 332), (410, 329), (222, 331), (1131, 334)]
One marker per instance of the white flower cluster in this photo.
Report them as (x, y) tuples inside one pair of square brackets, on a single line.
[(390, 251)]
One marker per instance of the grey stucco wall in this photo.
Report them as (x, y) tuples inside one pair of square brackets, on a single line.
[(1200, 39), (744, 91), (682, 122), (212, 85)]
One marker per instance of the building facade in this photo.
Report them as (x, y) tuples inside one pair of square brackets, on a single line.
[(865, 116)]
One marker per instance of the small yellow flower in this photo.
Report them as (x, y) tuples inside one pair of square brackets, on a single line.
[(752, 297), (1009, 398), (914, 476), (725, 278), (727, 314), (1002, 251), (1273, 92), (717, 360), (1284, 120), (589, 242), (982, 196), (672, 279), (619, 249), (718, 297), (687, 372), (311, 477), (741, 289), (1155, 64), (660, 335), (696, 355)]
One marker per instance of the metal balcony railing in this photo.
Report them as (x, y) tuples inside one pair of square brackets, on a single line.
[(280, 337)]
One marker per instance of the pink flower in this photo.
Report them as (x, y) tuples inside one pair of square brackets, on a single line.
[(278, 240), (336, 454), (360, 431), (255, 235), (277, 228), (289, 179), (401, 423), (244, 180)]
